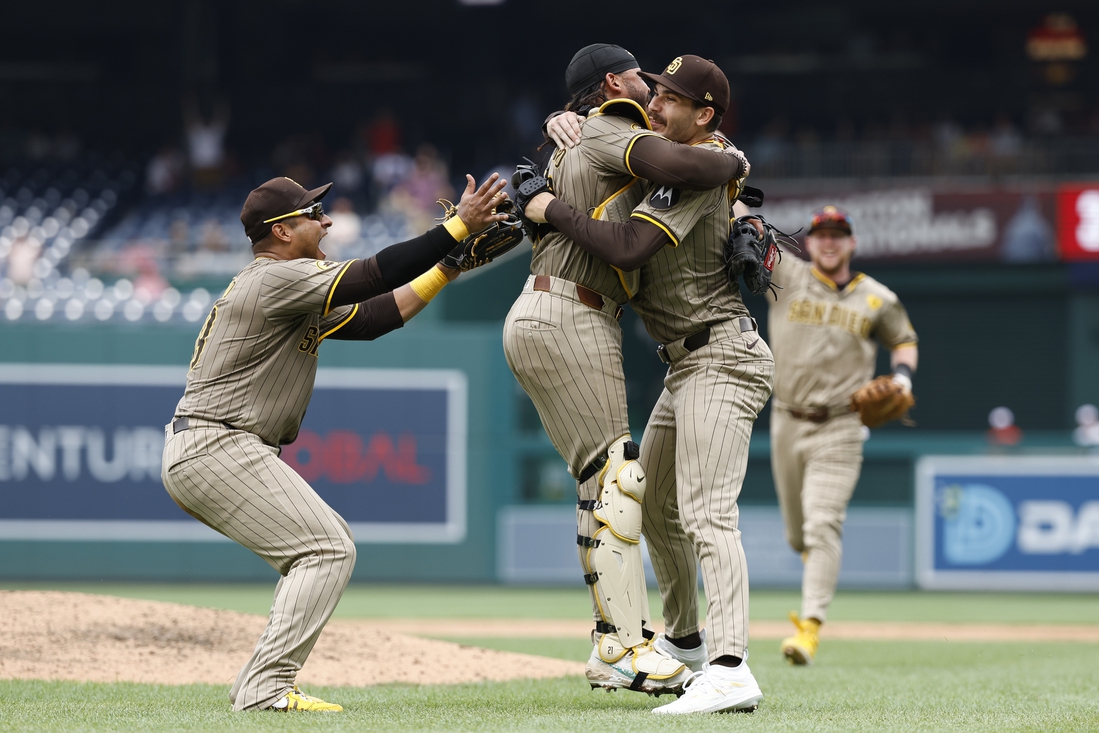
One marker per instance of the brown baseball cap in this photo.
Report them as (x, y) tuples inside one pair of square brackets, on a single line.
[(696, 78), (276, 197), (830, 217)]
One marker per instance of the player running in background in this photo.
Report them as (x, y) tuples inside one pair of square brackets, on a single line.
[(822, 329), (250, 381)]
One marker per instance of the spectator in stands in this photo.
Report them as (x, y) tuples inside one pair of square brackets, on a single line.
[(346, 227), (179, 237), (164, 173), (140, 262), (212, 238), (417, 196), (348, 172), (383, 135), (1005, 141), (206, 142)]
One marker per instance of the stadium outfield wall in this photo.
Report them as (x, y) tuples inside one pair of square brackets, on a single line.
[(419, 440)]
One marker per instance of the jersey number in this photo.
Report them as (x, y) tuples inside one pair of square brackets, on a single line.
[(200, 343), (311, 342)]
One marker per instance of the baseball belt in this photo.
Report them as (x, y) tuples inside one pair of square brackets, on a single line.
[(676, 350), (813, 414), (575, 291), (180, 424)]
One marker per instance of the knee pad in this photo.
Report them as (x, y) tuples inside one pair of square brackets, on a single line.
[(623, 487)]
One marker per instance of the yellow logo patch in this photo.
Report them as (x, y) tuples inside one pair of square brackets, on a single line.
[(873, 301), (674, 65), (708, 97), (325, 264)]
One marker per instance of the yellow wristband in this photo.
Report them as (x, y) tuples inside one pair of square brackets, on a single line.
[(457, 228), (428, 285)]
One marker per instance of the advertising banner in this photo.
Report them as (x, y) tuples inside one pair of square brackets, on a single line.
[(1078, 222), (1007, 523), (922, 223), (80, 453)]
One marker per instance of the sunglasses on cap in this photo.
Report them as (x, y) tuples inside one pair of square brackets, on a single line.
[(830, 215), (314, 212)]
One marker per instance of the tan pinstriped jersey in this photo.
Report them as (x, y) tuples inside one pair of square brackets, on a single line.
[(823, 338), (684, 286), (586, 177), (256, 356)]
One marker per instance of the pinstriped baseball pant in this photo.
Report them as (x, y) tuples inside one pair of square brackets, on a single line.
[(816, 467), (236, 484), (567, 356), (695, 453)]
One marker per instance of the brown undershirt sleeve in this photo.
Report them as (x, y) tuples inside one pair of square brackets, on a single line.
[(375, 317), (668, 163), (626, 245), (360, 281)]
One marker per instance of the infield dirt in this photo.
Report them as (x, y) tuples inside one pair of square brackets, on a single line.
[(75, 636)]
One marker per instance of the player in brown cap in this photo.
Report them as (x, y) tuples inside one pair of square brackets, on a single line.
[(564, 346), (824, 327), (250, 381), (695, 446)]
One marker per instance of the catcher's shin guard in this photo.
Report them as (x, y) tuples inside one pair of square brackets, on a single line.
[(613, 557)]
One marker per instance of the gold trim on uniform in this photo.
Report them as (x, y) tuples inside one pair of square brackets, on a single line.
[(629, 147), (643, 217), (906, 343), (341, 324), (332, 290), (625, 108), (858, 278)]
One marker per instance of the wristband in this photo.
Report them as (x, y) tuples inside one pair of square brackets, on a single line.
[(902, 375), (428, 285), (457, 228)]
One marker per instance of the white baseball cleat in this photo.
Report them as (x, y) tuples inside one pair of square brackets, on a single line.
[(696, 659), (717, 690)]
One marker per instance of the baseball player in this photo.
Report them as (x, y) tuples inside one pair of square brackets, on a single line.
[(823, 328), (249, 383), (695, 447), (564, 345)]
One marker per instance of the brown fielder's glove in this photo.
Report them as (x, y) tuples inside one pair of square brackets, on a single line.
[(881, 400), (483, 247)]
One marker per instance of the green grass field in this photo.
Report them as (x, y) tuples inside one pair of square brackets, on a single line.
[(856, 685)]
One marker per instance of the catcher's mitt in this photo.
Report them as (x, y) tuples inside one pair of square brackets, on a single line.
[(528, 183), (881, 400), (485, 246), (752, 251)]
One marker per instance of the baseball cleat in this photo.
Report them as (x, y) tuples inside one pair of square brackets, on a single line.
[(696, 659), (717, 690), (298, 700), (801, 648), (641, 668)]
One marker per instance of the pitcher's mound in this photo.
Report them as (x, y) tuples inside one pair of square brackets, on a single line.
[(75, 636)]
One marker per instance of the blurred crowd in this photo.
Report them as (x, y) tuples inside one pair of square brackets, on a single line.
[(173, 220)]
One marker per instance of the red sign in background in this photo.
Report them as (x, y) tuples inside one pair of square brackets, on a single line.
[(1078, 222)]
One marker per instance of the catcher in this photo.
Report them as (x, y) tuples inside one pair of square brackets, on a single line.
[(824, 322)]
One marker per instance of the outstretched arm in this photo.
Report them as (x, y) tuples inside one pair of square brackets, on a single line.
[(398, 264)]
